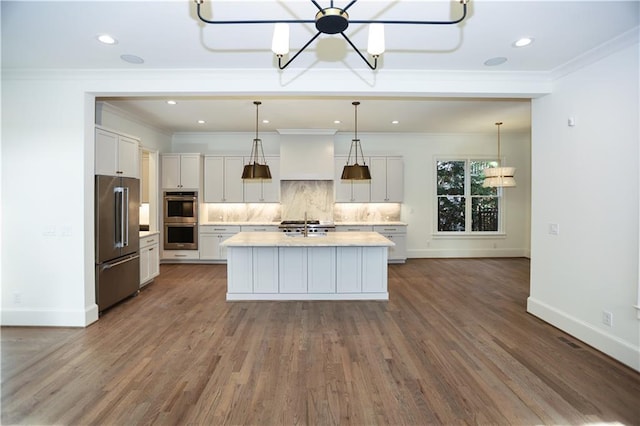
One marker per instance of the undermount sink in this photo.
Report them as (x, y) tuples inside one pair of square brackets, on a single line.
[(309, 235)]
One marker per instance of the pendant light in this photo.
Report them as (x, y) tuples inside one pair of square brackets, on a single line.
[(499, 177), (356, 171), (256, 170)]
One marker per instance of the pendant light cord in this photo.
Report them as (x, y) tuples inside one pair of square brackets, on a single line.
[(499, 123), (257, 103), (355, 104)]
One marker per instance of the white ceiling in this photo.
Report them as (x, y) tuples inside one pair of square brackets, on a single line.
[(168, 35)]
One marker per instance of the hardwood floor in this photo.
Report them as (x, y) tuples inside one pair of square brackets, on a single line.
[(453, 345)]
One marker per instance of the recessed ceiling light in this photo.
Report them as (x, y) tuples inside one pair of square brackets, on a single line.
[(171, 102), (395, 122), (265, 121), (201, 121), (525, 41), (106, 39), (337, 121), (495, 61), (132, 59)]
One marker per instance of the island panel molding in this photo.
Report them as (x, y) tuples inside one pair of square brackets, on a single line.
[(336, 266)]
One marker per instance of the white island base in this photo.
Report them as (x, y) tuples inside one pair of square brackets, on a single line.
[(338, 266)]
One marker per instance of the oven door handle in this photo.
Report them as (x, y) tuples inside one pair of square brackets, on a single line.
[(181, 198)]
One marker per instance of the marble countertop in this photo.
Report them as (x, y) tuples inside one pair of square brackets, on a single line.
[(331, 239), (383, 223), (147, 233), (240, 223), (349, 223)]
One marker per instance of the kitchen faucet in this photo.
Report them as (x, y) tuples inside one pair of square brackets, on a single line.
[(305, 232)]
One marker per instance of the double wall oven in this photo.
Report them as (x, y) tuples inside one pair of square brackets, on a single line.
[(181, 220)]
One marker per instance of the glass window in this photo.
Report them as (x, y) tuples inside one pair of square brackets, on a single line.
[(464, 205)]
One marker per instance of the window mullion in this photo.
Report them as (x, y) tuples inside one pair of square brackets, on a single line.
[(467, 197)]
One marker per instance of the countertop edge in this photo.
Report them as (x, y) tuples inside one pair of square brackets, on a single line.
[(332, 239)]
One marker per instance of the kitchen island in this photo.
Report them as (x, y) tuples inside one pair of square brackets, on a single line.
[(331, 266)]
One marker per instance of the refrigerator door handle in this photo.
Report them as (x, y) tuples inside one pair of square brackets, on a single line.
[(125, 215), (112, 265), (119, 193)]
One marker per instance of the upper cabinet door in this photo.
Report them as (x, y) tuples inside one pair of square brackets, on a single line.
[(395, 180), (378, 170), (213, 179), (233, 184), (116, 155), (129, 157), (171, 171), (106, 154), (181, 171), (387, 180), (190, 171), (223, 180)]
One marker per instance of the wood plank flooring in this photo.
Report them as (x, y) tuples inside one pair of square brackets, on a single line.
[(453, 345)]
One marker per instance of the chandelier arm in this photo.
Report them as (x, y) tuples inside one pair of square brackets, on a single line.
[(348, 6), (297, 53), (374, 21), (375, 57), (320, 8), (270, 21)]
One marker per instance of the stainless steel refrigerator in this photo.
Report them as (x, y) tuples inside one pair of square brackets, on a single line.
[(117, 239)]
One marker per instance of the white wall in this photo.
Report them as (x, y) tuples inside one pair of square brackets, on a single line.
[(585, 178), (47, 173)]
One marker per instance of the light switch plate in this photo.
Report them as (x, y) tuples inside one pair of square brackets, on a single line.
[(554, 229)]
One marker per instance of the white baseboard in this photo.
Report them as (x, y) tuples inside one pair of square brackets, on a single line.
[(49, 317), (451, 253), (616, 348)]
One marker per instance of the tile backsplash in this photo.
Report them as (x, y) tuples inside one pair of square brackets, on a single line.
[(315, 197)]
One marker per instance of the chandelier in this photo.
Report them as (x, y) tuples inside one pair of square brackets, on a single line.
[(255, 169), (499, 177), (356, 171), (331, 20)]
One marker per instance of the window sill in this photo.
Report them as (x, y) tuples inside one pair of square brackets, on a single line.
[(466, 235)]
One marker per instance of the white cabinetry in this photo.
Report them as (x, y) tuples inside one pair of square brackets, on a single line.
[(354, 228), (149, 258), (259, 228), (293, 269), (265, 270), (223, 179), (321, 270), (349, 267), (307, 273), (397, 234), (350, 191), (211, 236), (387, 179), (261, 190), (116, 154), (253, 270), (181, 171)]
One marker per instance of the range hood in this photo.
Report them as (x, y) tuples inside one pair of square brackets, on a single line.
[(306, 154)]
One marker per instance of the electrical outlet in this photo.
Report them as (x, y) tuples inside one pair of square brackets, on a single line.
[(607, 318), (17, 297)]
